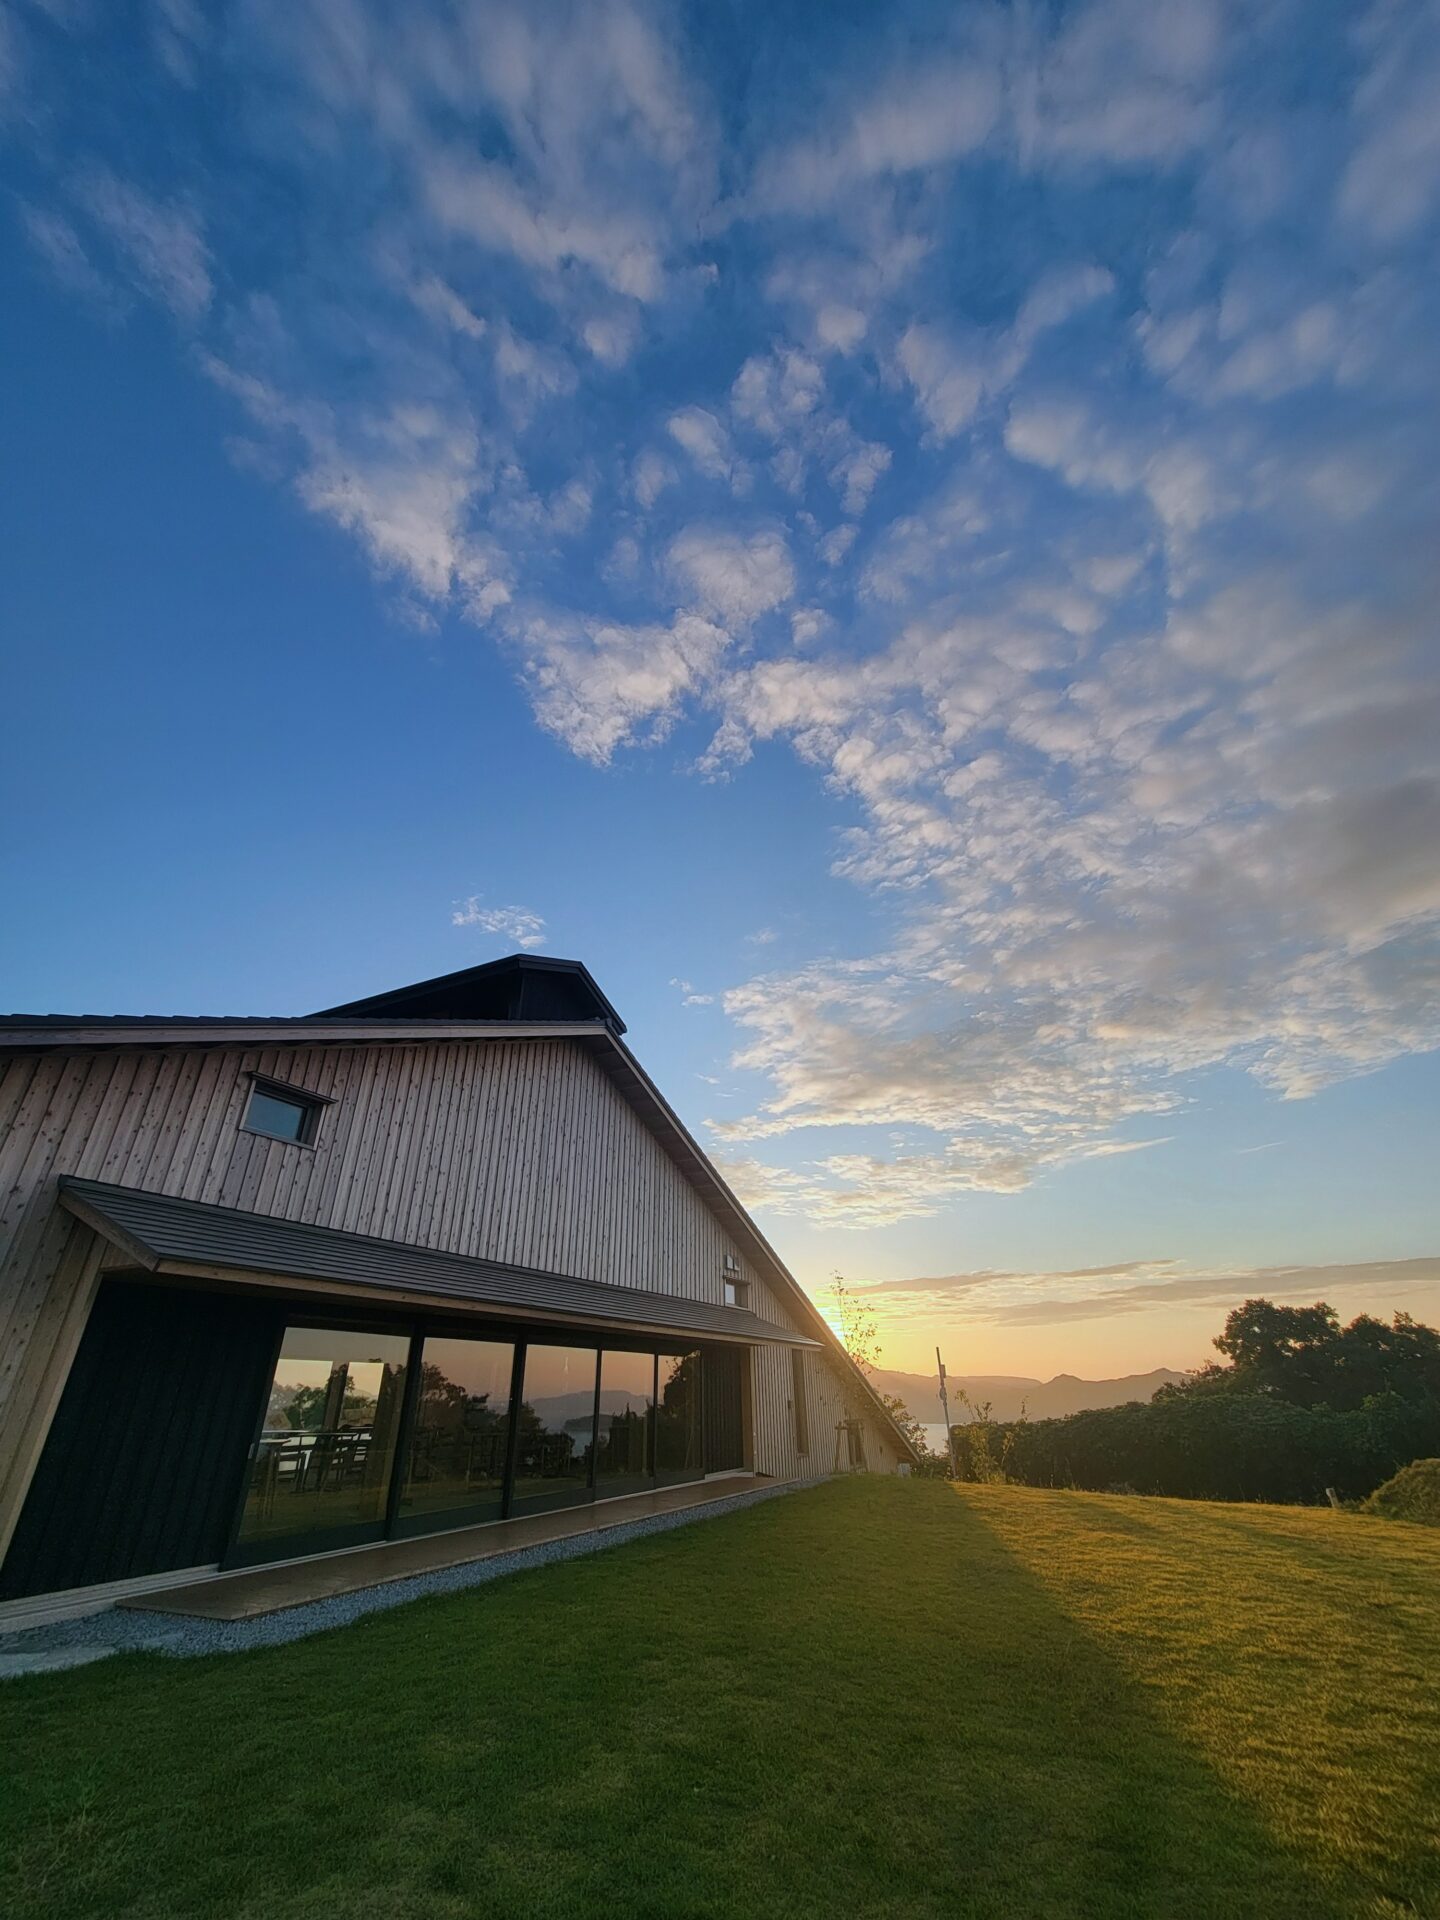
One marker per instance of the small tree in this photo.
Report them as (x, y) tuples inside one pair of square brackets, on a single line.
[(859, 1329), (860, 1337)]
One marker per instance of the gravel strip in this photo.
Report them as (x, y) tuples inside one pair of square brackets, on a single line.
[(123, 1631)]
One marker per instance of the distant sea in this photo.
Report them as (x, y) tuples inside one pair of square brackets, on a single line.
[(935, 1437)]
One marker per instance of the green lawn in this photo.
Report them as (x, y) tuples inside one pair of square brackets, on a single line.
[(875, 1698)]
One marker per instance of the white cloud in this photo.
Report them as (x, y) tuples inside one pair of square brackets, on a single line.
[(858, 474), (483, 201), (734, 576), (916, 119), (433, 296), (1391, 182), (1143, 1286), (1124, 82), (529, 373), (600, 685), (161, 243), (702, 436), (178, 33), (690, 998), (516, 924), (777, 391), (611, 337), (837, 544), (402, 481), (841, 327), (1179, 477), (948, 377), (650, 475), (59, 246)]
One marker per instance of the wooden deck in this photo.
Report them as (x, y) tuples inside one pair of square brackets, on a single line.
[(260, 1590)]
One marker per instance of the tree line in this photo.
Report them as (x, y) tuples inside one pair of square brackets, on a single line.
[(1297, 1404)]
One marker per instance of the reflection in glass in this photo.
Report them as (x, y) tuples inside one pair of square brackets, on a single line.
[(556, 1426), (455, 1463), (678, 1454), (622, 1447), (323, 1462)]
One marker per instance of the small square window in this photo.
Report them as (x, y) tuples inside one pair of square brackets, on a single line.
[(737, 1293), (280, 1113)]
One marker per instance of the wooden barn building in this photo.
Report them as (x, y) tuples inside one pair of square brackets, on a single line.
[(273, 1289)]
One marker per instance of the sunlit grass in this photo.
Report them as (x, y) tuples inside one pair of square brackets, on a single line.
[(877, 1698)]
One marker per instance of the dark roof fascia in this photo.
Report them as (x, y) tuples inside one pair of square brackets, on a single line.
[(508, 963), (112, 1030), (163, 1234)]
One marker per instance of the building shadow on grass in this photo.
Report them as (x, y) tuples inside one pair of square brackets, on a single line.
[(1055, 1786)]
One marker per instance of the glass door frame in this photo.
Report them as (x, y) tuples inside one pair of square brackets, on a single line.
[(416, 1526), (241, 1553)]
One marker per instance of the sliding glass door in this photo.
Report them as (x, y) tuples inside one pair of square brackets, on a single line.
[(624, 1447), (367, 1436), (320, 1471), (555, 1444), (679, 1451), (454, 1468)]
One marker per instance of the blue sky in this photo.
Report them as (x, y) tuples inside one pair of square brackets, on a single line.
[(905, 540)]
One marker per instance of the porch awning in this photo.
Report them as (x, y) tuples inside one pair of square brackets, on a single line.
[(165, 1235)]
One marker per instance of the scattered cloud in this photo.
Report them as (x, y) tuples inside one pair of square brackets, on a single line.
[(516, 924), (690, 998), (1039, 1299), (734, 576), (707, 443), (599, 685), (1091, 581), (160, 243)]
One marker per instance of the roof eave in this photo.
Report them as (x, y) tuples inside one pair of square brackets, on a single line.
[(289, 1033)]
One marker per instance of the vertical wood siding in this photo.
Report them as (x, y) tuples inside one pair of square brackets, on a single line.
[(830, 1400), (520, 1151)]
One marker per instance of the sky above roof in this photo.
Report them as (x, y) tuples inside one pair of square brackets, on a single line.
[(905, 539)]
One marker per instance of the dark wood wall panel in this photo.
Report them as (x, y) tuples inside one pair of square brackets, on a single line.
[(723, 1405), (141, 1470)]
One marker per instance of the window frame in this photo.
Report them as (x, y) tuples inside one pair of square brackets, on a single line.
[(313, 1106), (800, 1401), (737, 1292)]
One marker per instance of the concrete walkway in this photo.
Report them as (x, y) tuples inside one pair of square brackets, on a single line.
[(260, 1590), (183, 1635)]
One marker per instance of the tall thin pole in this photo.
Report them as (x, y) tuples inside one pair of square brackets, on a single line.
[(945, 1409)]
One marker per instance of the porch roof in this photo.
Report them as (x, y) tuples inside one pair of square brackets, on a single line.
[(166, 1235)]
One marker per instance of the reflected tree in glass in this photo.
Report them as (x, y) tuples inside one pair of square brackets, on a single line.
[(321, 1471), (679, 1453), (623, 1454), (555, 1441), (455, 1463)]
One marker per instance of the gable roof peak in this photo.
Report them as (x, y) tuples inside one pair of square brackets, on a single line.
[(521, 986)]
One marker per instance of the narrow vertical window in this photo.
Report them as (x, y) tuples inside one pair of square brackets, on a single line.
[(797, 1396)]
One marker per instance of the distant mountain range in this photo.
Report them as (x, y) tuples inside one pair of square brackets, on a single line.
[(1008, 1392)]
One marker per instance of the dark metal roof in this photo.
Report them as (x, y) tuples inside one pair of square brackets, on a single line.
[(164, 1234), (521, 986), (156, 1020)]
